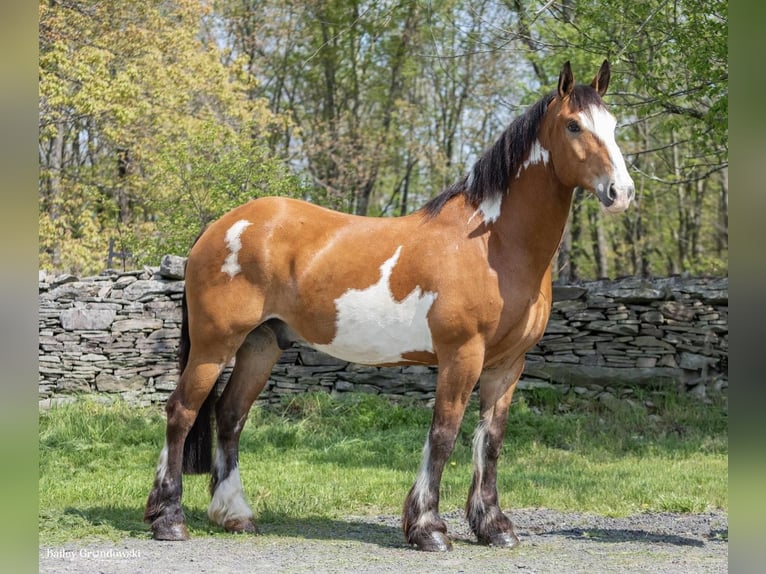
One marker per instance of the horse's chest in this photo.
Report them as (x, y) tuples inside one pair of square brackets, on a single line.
[(522, 330)]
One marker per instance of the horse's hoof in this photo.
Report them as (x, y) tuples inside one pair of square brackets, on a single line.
[(241, 526), (433, 542), (504, 540), (174, 531)]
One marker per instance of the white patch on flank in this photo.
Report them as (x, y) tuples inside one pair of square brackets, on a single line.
[(479, 464), (234, 243), (537, 154), (228, 500), (373, 328), (599, 121)]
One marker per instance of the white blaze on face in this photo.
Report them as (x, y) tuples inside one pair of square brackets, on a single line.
[(602, 124), (373, 328), (234, 243)]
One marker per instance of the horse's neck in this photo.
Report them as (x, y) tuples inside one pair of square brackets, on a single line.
[(532, 220)]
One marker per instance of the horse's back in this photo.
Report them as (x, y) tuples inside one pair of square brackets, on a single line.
[(293, 260)]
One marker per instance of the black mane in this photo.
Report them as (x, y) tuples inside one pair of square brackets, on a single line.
[(490, 176)]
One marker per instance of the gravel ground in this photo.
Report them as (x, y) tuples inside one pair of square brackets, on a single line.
[(551, 541)]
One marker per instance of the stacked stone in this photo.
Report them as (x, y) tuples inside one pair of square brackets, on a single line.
[(302, 369), (654, 332), (117, 334)]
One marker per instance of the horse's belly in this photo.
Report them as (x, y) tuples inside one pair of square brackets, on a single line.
[(372, 327), (370, 343)]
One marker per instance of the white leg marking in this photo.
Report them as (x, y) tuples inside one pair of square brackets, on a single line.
[(427, 518), (162, 464), (228, 500), (421, 492), (234, 243), (372, 327), (479, 464)]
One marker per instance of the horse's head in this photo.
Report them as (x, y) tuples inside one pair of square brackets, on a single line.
[(578, 131)]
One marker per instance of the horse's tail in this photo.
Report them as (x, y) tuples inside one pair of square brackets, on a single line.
[(198, 447)]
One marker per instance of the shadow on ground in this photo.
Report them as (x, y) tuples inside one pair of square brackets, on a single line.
[(626, 535), (382, 531), (129, 522)]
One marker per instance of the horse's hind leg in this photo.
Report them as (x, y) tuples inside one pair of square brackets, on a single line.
[(163, 507), (483, 512), (255, 359)]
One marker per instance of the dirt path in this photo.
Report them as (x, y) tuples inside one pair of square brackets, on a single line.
[(551, 541)]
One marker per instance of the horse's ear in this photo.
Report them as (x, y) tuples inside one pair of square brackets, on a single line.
[(566, 81), (601, 81)]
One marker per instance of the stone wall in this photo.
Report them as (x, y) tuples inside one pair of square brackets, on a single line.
[(117, 334)]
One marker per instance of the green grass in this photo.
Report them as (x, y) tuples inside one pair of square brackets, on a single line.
[(315, 458)]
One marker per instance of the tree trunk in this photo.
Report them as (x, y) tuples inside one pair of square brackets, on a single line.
[(395, 90), (564, 256), (722, 234), (600, 244), (55, 167), (680, 230)]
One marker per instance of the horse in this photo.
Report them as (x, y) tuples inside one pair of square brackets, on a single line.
[(463, 283)]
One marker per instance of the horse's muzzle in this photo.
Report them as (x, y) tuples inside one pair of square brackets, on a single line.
[(614, 198)]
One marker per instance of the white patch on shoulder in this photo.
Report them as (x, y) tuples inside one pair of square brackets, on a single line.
[(602, 123), (234, 243), (374, 328), (537, 154), (489, 209)]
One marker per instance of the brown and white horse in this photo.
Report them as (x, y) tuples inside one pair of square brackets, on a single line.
[(464, 283)]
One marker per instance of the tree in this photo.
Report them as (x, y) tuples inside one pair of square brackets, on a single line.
[(375, 107), (670, 81), (131, 97)]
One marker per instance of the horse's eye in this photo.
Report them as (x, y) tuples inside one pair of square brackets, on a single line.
[(573, 126)]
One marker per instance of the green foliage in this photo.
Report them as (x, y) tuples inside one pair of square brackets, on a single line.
[(155, 118), (318, 457), (76, 236), (145, 134), (206, 174), (669, 89)]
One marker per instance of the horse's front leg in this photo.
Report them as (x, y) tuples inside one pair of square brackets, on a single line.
[(422, 525), (487, 520)]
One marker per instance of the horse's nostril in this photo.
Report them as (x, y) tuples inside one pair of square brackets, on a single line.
[(612, 193)]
